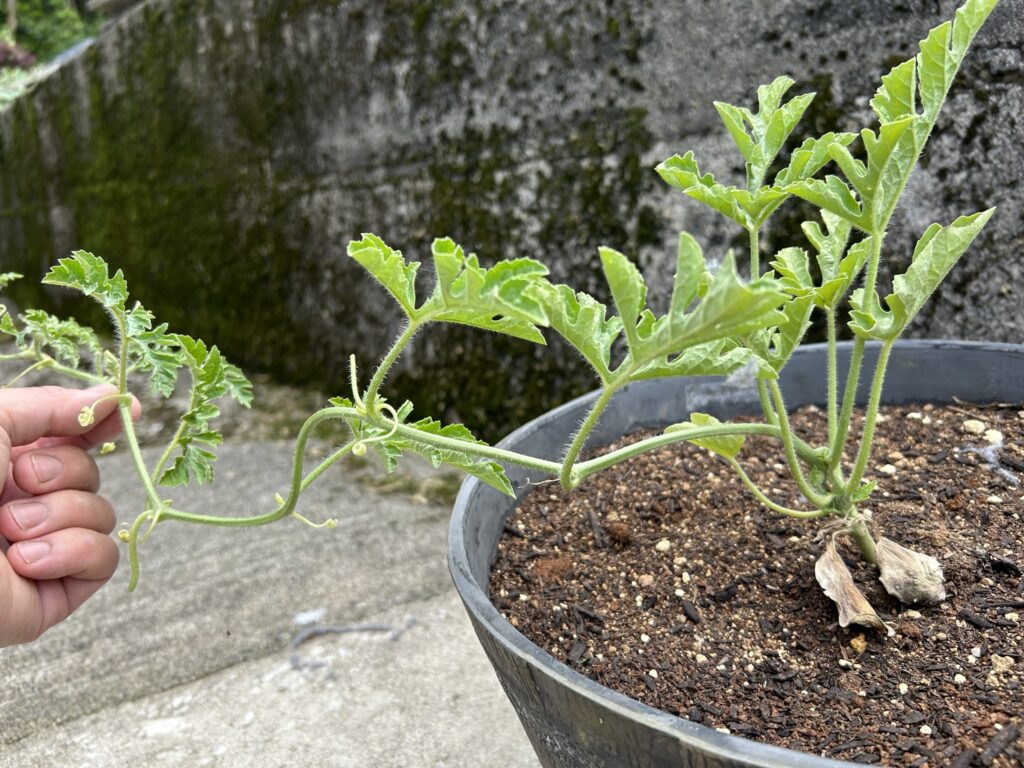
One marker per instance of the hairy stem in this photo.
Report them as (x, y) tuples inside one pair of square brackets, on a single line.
[(833, 376), (791, 457), (386, 362), (849, 396), (766, 404), (565, 474), (870, 418), (587, 468), (755, 253)]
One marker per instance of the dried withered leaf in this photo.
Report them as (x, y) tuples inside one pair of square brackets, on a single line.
[(909, 576), (834, 577)]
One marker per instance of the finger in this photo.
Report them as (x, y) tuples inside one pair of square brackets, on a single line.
[(76, 552), (105, 430), (40, 515), (31, 413), (56, 468)]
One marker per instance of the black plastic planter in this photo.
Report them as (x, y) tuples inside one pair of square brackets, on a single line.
[(572, 721)]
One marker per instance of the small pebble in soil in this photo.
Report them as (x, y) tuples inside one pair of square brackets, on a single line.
[(994, 499), (974, 427), (994, 436), (701, 658), (925, 730), (646, 580), (887, 469), (1014, 617), (1001, 664), (904, 688), (859, 644), (663, 546), (959, 679)]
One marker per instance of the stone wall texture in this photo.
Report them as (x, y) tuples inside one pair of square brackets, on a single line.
[(223, 154)]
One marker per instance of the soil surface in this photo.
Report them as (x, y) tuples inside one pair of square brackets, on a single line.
[(664, 579)]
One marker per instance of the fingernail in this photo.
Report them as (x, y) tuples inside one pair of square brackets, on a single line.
[(46, 467), (32, 551), (29, 514)]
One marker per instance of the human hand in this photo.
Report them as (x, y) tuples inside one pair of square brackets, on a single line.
[(58, 528)]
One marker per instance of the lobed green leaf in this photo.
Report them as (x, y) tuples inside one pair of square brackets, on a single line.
[(934, 256), (89, 274), (389, 268), (496, 299), (582, 321)]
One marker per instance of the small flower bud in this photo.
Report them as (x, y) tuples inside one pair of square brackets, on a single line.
[(107, 448), (359, 449), (279, 499), (123, 535)]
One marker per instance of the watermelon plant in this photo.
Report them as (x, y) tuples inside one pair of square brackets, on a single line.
[(716, 323)]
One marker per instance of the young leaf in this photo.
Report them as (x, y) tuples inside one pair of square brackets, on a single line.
[(212, 378), (658, 346), (6, 278), (66, 339), (390, 447), (628, 289), (774, 346), (496, 299), (863, 493), (714, 358), (891, 156), (581, 320), (724, 445), (89, 274), (389, 268), (906, 123), (733, 203), (759, 136), (488, 471), (935, 254), (832, 194)]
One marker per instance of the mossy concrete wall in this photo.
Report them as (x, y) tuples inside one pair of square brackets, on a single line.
[(223, 153)]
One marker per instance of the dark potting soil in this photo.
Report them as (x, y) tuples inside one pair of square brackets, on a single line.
[(664, 579)]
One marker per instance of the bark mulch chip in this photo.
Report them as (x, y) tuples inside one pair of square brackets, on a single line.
[(725, 624)]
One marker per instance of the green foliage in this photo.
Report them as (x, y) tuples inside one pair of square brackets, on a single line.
[(935, 254), (715, 323), (759, 136), (907, 105), (49, 27), (143, 347), (582, 321), (213, 377), (493, 299), (656, 345)]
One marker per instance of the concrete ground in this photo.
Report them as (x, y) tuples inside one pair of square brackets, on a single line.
[(195, 668)]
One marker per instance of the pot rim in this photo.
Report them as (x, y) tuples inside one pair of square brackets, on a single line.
[(722, 746)]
